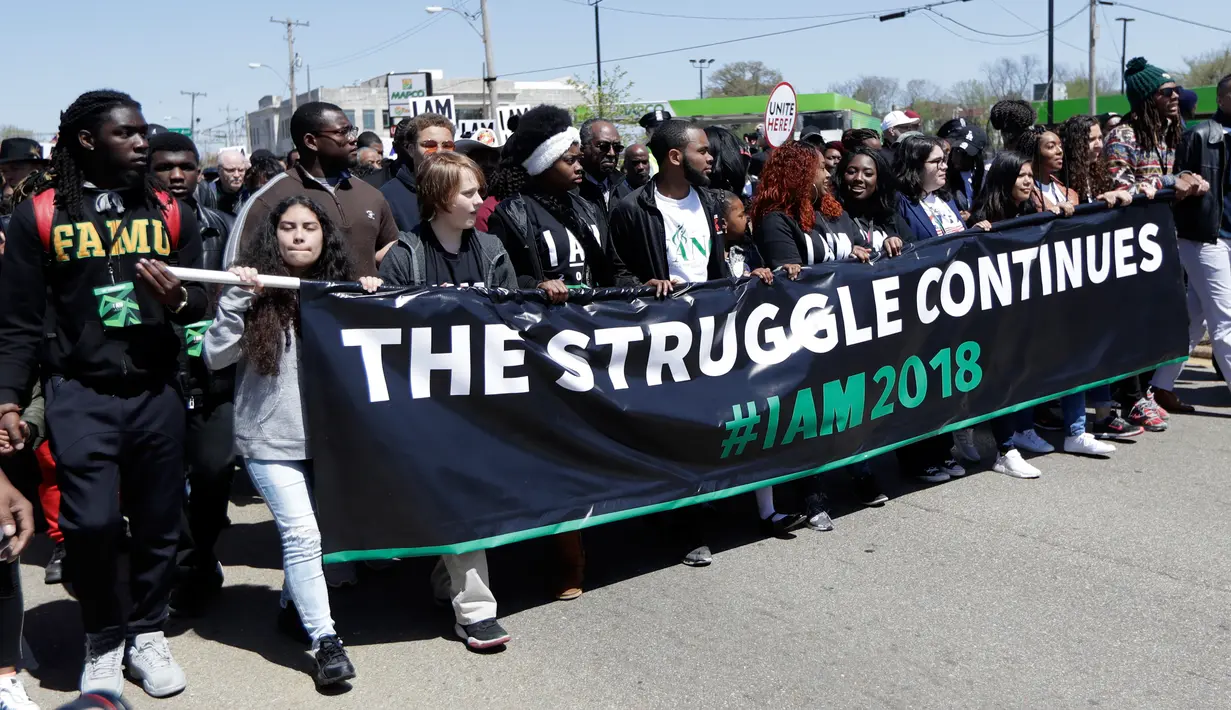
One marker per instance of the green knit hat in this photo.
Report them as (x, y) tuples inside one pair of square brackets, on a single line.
[(1142, 79)]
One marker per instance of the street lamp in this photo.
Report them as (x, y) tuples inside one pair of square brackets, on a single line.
[(701, 65), (258, 65), (486, 36)]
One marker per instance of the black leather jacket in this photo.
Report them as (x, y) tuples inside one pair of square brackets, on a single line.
[(1203, 150), (203, 388)]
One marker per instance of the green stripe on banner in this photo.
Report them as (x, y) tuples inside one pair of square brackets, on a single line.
[(568, 526)]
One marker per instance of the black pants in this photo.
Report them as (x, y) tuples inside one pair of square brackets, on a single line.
[(914, 458), (117, 450), (210, 459), (11, 614)]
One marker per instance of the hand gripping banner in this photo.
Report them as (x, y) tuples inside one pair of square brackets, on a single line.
[(446, 420)]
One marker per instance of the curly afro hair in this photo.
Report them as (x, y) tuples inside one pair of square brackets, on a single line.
[(536, 126), (1011, 117)]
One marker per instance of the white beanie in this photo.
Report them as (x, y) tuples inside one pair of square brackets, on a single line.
[(550, 150)]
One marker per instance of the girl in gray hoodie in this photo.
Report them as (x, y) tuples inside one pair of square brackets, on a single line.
[(259, 330)]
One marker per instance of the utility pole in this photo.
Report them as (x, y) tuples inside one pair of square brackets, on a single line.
[(192, 119), (290, 51), (1051, 61), (701, 65), (1093, 38), (598, 57), (489, 72), (1123, 47)]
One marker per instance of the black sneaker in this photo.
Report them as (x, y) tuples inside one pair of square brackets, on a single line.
[(483, 634), (53, 573), (699, 557), (1115, 428), (192, 596), (291, 625), (1048, 419), (783, 525), (332, 664), (868, 492)]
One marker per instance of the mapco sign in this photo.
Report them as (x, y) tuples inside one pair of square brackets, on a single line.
[(405, 89)]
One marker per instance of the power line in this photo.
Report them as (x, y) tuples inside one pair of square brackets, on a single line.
[(973, 39), (608, 8), (868, 16), (1062, 23), (1107, 21), (1169, 17), (380, 46), (1026, 22)]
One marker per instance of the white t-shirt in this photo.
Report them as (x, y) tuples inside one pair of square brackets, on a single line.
[(1052, 194), (944, 220), (688, 236)]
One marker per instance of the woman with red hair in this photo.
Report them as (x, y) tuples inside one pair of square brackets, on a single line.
[(796, 222)]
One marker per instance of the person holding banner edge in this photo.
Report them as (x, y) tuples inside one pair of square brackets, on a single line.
[(258, 331), (446, 250)]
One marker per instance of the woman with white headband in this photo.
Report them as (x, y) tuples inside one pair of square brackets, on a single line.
[(555, 241)]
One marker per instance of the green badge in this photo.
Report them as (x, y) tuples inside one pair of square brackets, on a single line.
[(117, 305), (194, 336)]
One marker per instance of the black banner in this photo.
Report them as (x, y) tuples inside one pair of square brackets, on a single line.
[(445, 420)]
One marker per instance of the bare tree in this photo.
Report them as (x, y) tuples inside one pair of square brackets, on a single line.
[(1011, 79), (882, 92), (9, 131), (742, 79), (1077, 81), (1208, 68)]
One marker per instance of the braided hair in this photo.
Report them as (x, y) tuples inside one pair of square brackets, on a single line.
[(87, 113), (1152, 129), (1011, 117)]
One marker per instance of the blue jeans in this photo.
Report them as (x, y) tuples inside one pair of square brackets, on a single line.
[(1073, 407), (284, 486)]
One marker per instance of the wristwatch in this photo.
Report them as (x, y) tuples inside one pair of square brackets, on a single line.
[(182, 303)]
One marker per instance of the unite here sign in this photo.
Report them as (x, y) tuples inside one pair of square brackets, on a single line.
[(780, 115)]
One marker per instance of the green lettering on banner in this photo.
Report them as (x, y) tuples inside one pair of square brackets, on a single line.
[(843, 405), (772, 433), (803, 417)]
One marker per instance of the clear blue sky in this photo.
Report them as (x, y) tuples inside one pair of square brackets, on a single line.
[(206, 46)]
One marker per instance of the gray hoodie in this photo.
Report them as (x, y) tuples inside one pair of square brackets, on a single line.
[(269, 416), (404, 264)]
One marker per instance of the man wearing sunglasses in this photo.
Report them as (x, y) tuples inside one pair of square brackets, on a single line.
[(603, 186), (426, 134), (326, 140)]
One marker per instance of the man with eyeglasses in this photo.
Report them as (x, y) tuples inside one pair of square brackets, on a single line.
[(603, 186), (325, 139), (426, 133)]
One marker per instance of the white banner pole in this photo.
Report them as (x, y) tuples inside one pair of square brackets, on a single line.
[(227, 278)]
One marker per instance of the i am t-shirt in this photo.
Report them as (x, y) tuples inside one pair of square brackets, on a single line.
[(465, 268), (562, 253), (688, 236)]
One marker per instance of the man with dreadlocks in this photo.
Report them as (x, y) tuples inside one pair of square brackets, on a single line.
[(93, 249)]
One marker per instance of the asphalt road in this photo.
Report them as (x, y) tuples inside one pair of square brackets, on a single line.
[(1105, 583)]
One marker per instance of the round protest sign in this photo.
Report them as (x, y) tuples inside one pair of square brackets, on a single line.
[(780, 115)]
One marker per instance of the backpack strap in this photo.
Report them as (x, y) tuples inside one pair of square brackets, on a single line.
[(44, 212)]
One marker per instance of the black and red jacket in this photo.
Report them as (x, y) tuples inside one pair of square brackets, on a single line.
[(58, 277)]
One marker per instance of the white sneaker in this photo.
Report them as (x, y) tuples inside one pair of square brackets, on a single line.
[(1012, 464), (1087, 445), (1030, 440), (13, 695), (149, 661), (343, 574), (964, 445), (104, 665)]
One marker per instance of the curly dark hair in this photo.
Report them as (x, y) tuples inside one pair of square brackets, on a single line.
[(854, 137), (1089, 177), (275, 312), (995, 202), (881, 204), (88, 113)]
